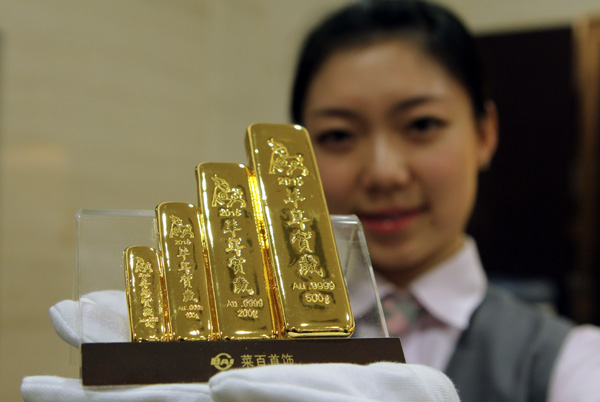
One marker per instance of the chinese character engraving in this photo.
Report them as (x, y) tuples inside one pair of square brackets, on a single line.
[(237, 264), (186, 279), (233, 244), (298, 219), (185, 266), (189, 295), (247, 361), (241, 284), (301, 237), (293, 196), (143, 270), (183, 252), (309, 265), (287, 359), (231, 226)]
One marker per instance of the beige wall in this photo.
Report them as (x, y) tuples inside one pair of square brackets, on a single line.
[(502, 15), (111, 104)]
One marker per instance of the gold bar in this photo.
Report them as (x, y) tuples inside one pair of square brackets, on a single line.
[(243, 303), (148, 319), (186, 274), (312, 292)]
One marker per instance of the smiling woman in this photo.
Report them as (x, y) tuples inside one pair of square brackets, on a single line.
[(393, 95), (402, 154)]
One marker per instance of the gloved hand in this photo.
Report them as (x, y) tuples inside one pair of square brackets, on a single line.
[(104, 316), (333, 382), (283, 383), (55, 389)]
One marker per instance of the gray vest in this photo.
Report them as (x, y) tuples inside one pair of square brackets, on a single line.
[(508, 351)]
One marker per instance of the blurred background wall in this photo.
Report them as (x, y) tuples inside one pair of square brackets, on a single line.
[(111, 104)]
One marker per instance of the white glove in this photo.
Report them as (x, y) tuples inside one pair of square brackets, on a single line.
[(54, 389), (333, 382), (103, 318), (283, 383)]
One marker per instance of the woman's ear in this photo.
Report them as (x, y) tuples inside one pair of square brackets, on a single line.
[(487, 132)]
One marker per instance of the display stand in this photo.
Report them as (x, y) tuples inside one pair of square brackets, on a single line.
[(102, 237)]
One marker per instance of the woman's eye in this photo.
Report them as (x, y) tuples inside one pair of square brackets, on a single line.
[(335, 140), (425, 125)]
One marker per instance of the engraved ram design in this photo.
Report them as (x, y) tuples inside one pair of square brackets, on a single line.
[(178, 229), (281, 160), (226, 196)]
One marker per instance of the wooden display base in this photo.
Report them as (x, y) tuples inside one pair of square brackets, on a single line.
[(184, 362)]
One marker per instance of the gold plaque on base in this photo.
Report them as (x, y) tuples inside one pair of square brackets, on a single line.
[(148, 319), (187, 280), (243, 304), (313, 300)]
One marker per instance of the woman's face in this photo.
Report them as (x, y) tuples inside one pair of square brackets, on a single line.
[(398, 145)]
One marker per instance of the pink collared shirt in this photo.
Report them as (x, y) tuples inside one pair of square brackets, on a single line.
[(450, 294)]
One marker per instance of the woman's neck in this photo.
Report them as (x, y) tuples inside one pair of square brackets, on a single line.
[(405, 276)]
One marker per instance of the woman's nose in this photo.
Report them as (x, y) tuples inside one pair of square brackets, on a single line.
[(387, 164)]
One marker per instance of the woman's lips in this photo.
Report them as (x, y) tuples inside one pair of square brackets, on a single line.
[(390, 222)]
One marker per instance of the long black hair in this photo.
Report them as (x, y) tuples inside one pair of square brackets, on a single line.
[(434, 29)]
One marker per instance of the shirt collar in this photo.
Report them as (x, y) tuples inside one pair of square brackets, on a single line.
[(450, 292)]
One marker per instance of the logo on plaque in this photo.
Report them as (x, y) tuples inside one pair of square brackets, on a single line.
[(222, 361)]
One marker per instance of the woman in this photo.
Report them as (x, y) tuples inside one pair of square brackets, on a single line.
[(392, 93)]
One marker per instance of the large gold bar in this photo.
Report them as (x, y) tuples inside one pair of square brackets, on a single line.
[(313, 300), (186, 275), (243, 303), (148, 319)]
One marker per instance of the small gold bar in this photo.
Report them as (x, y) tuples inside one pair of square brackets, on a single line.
[(313, 299), (186, 275), (148, 319), (243, 303)]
